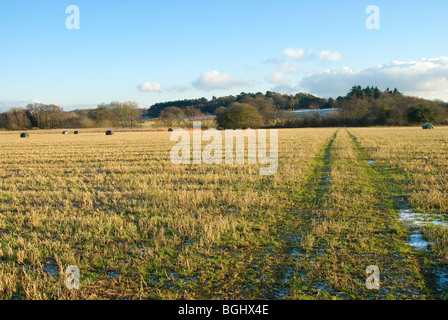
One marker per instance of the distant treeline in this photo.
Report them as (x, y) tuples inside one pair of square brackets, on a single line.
[(269, 100), (372, 107), (42, 116), (360, 107)]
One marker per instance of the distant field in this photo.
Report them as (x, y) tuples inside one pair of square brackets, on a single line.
[(140, 227)]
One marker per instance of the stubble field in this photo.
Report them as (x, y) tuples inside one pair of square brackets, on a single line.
[(139, 227)]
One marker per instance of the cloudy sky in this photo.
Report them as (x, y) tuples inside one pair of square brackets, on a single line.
[(153, 51)]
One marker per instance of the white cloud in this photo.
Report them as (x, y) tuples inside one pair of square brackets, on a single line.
[(289, 67), (426, 78), (212, 80), (7, 104), (277, 78), (330, 56), (297, 53), (150, 87)]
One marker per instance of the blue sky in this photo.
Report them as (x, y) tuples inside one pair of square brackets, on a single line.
[(154, 51)]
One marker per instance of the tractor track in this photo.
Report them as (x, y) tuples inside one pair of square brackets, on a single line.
[(307, 200), (430, 272)]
